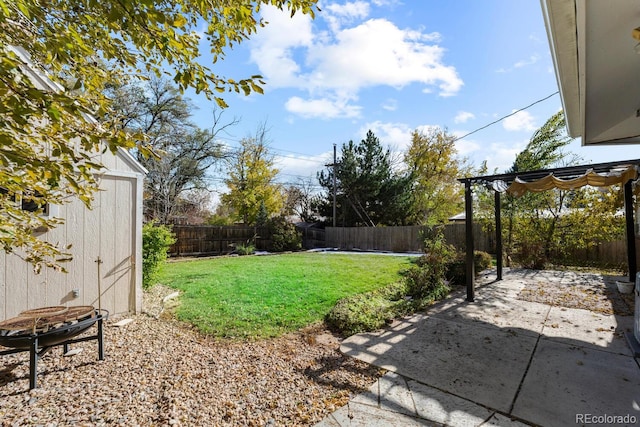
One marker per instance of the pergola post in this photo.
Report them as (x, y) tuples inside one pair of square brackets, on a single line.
[(498, 235), (631, 234), (468, 205)]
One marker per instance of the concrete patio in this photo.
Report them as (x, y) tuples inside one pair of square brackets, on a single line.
[(498, 361)]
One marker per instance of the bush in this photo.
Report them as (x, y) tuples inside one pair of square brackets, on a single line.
[(426, 279), (369, 311), (247, 249), (284, 236), (530, 255), (422, 284), (457, 268), (156, 240)]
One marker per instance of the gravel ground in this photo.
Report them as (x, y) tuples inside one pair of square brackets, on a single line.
[(158, 371)]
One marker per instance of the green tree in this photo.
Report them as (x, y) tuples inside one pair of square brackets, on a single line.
[(157, 109), (599, 215), (531, 220), (368, 190), (48, 142), (435, 168), (251, 182)]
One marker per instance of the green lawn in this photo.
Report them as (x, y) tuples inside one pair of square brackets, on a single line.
[(265, 296)]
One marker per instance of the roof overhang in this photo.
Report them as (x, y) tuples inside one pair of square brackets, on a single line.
[(597, 67)]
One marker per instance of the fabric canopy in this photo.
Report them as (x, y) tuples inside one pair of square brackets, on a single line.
[(519, 187)]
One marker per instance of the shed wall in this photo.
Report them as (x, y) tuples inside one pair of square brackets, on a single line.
[(107, 233)]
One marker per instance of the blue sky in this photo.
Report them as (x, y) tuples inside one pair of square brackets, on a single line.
[(395, 66)]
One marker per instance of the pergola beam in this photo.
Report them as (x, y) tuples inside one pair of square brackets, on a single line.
[(562, 173)]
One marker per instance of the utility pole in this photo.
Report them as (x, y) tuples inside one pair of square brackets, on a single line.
[(334, 184)]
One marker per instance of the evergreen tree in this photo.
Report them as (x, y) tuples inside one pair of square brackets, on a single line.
[(368, 191)]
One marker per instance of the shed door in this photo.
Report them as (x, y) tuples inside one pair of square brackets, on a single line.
[(110, 245)]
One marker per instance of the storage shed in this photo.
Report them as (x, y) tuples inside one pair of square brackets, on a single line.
[(106, 247), (106, 244)]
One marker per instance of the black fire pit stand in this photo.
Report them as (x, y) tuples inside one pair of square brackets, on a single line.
[(39, 344)]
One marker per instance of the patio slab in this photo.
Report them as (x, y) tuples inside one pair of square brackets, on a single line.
[(494, 310), (567, 381), (498, 361), (600, 331), (481, 364)]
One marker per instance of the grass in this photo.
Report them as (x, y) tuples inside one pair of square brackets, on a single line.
[(266, 296)]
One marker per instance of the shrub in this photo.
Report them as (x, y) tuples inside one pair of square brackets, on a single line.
[(531, 255), (368, 311), (156, 240), (426, 278), (284, 236), (422, 284), (247, 249), (457, 268)]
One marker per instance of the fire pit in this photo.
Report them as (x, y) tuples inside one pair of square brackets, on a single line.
[(39, 330)]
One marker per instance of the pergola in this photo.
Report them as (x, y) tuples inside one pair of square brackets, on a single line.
[(566, 178)]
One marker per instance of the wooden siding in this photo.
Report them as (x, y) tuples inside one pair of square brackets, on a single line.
[(107, 232)]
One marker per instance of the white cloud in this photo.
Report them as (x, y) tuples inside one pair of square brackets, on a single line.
[(274, 45), (397, 136), (466, 147), (463, 117), (520, 121), (498, 155), (535, 38), (530, 61), (294, 166), (321, 107), (386, 2), (390, 104), (377, 52), (339, 14), (501, 156), (357, 9), (340, 62), (533, 59)]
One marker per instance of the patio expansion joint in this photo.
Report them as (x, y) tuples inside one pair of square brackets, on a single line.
[(526, 371), (492, 414)]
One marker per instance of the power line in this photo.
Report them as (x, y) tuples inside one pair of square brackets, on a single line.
[(228, 139), (508, 115)]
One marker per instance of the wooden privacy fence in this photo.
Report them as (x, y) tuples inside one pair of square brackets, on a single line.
[(200, 240), (401, 238), (203, 240), (612, 254)]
